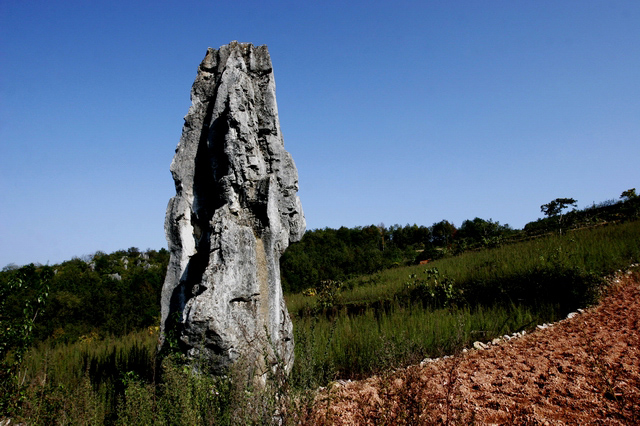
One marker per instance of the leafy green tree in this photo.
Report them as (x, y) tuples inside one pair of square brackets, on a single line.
[(442, 233), (629, 194), (555, 208), (22, 298), (480, 232), (631, 203)]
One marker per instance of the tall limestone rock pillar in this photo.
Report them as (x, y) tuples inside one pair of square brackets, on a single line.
[(235, 211)]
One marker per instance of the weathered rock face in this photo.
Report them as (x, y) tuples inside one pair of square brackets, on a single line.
[(235, 211)]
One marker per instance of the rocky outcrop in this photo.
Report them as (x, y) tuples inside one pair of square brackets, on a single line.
[(235, 211)]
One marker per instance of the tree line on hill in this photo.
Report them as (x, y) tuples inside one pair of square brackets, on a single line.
[(338, 254), (103, 293), (119, 292)]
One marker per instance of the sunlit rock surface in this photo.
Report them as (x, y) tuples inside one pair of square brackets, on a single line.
[(235, 211)]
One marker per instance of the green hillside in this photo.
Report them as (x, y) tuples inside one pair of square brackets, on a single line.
[(79, 338)]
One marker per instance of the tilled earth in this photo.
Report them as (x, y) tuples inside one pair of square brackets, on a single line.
[(582, 370)]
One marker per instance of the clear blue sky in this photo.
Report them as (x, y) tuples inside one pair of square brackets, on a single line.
[(394, 111)]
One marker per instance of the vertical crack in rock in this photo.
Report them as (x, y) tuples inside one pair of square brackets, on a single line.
[(235, 211)]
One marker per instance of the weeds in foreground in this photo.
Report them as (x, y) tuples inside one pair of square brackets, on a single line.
[(175, 394), (361, 345)]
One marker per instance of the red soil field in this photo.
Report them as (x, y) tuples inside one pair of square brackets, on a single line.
[(581, 370)]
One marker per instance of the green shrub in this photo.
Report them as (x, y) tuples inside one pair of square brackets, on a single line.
[(22, 297)]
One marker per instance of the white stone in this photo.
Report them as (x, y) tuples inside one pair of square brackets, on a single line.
[(479, 345)]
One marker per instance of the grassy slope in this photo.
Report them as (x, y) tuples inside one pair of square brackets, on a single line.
[(106, 380), (496, 291), (599, 251)]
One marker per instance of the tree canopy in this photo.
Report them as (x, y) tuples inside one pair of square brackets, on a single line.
[(555, 207)]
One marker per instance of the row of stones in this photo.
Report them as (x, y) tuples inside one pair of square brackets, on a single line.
[(478, 345)]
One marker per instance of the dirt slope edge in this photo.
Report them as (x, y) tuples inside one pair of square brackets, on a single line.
[(582, 370)]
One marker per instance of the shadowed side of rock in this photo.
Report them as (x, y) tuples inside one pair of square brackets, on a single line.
[(235, 211)]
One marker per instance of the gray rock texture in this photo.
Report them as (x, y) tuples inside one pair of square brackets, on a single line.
[(235, 211)]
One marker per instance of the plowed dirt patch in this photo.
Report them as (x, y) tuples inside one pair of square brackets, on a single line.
[(583, 370)]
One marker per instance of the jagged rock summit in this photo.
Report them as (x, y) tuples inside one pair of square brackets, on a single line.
[(235, 211)]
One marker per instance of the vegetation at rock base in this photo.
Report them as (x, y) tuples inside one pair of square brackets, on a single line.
[(360, 301)]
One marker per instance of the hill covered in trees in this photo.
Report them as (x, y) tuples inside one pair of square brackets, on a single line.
[(106, 294), (339, 254), (113, 294)]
